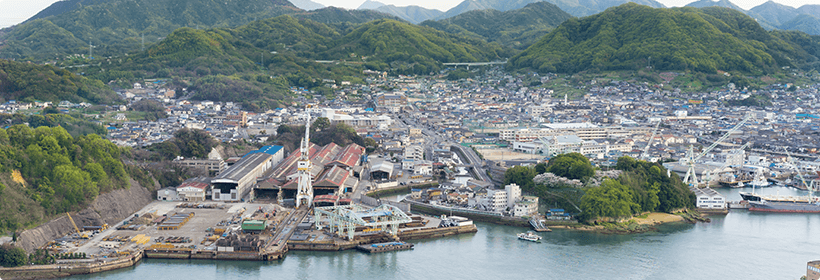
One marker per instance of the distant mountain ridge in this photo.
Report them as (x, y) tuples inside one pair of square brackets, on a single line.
[(413, 14), (772, 15), (306, 5), (582, 8), (517, 28)]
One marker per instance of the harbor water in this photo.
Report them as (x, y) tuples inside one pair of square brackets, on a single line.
[(739, 245)]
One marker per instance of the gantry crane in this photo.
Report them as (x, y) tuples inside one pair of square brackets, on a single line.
[(691, 177)]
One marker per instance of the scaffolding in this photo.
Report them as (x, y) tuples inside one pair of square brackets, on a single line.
[(343, 219)]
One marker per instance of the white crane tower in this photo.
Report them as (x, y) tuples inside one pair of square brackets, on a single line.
[(691, 177), (304, 194)]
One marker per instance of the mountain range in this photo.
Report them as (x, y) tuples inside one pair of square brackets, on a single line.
[(576, 8), (771, 15), (114, 28), (515, 28), (631, 37)]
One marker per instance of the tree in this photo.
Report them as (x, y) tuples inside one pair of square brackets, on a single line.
[(652, 188), (521, 176), (611, 199), (541, 168), (320, 124), (11, 256), (571, 166)]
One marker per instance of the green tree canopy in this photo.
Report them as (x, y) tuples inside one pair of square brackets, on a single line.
[(611, 199), (572, 166)]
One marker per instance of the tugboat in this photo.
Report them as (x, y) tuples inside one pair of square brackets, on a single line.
[(529, 236)]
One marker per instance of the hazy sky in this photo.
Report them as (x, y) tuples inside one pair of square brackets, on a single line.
[(16, 11)]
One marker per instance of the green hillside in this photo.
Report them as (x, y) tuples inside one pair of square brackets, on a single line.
[(515, 28), (631, 36), (31, 82), (52, 172), (118, 26), (390, 44)]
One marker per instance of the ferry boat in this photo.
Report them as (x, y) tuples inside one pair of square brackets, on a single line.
[(529, 236)]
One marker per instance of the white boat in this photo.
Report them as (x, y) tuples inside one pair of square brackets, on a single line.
[(529, 236), (759, 179)]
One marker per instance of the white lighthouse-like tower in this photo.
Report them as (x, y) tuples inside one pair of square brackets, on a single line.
[(304, 194)]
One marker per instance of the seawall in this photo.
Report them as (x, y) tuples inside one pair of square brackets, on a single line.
[(489, 218), (67, 269)]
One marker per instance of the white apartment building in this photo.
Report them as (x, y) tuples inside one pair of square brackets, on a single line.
[(586, 131), (414, 152), (526, 207), (561, 144)]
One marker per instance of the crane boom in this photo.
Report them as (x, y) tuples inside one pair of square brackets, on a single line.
[(738, 150), (799, 175), (728, 133), (645, 154), (690, 173), (72, 222)]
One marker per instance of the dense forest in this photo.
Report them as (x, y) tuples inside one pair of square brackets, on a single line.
[(641, 187), (631, 36), (30, 82), (54, 172)]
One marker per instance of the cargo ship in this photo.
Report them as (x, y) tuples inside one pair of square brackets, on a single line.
[(802, 204), (385, 247), (784, 204)]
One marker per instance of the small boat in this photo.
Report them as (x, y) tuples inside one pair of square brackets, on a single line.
[(529, 236)]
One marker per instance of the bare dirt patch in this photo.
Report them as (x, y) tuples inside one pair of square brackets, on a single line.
[(506, 154), (658, 218)]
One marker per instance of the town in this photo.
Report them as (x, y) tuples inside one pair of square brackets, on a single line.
[(446, 145)]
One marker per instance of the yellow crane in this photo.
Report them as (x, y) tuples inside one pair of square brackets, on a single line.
[(81, 234)]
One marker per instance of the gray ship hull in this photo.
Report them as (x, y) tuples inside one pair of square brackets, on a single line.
[(784, 206)]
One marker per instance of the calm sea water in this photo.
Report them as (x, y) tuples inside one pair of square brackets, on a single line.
[(740, 245)]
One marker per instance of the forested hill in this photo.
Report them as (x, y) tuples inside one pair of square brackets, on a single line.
[(515, 28), (45, 171), (288, 46), (627, 36), (420, 49), (31, 82), (118, 26)]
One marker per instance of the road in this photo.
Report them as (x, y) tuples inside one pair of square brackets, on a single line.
[(432, 139)]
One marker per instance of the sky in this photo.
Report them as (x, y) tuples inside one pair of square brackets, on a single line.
[(16, 11)]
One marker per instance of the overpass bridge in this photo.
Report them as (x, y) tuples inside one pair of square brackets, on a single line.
[(468, 64)]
